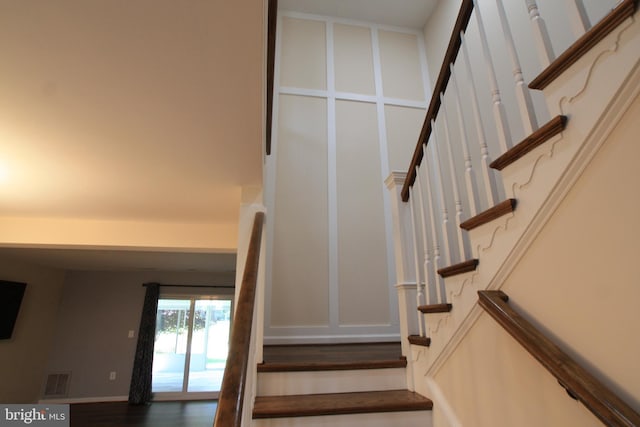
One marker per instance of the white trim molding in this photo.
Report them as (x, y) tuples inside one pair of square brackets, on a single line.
[(334, 331)]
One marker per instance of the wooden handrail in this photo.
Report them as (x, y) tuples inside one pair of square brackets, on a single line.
[(272, 19), (230, 402), (578, 382), (464, 15)]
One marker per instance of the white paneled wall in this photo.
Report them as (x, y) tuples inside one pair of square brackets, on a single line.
[(350, 98)]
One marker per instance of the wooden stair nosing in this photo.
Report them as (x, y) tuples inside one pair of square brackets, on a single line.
[(460, 268), (540, 136), (331, 366), (435, 308), (619, 14), (418, 340), (490, 214), (339, 404)]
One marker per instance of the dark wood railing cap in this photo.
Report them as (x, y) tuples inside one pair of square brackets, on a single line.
[(581, 384), (231, 400), (272, 19), (464, 15)]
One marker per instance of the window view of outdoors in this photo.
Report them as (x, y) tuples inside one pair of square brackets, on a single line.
[(209, 333)]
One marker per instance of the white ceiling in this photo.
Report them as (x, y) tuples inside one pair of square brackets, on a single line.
[(130, 109), (133, 110), (143, 110), (401, 13)]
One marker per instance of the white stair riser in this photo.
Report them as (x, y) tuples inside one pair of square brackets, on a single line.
[(383, 419), (314, 382)]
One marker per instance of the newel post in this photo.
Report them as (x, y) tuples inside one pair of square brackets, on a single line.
[(405, 265)]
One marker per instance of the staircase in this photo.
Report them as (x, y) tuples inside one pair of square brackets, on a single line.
[(455, 236), (337, 385), (447, 249)]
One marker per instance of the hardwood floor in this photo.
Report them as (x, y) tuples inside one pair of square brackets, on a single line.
[(202, 413), (158, 414)]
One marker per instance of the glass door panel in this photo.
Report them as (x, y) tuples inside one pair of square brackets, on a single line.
[(209, 345), (170, 350)]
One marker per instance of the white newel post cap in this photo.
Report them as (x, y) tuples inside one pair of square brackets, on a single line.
[(395, 179)]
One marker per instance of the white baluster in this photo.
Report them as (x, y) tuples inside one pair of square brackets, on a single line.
[(425, 240), (432, 223), (527, 113), (421, 329), (488, 177), (443, 201), (578, 17), (504, 134), (540, 34), (454, 180), (469, 174)]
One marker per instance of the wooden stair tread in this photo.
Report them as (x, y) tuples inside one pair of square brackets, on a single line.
[(435, 308), (331, 352), (339, 404), (332, 366), (490, 214), (460, 268), (622, 11), (418, 340), (323, 357), (539, 137)]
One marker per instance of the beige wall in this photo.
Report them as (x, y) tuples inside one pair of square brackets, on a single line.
[(303, 54), (400, 63), (591, 270), (362, 267), (300, 294), (437, 32), (338, 136), (577, 282), (491, 381), (97, 310), (134, 234), (23, 358), (353, 59)]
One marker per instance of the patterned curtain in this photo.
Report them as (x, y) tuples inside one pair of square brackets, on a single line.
[(140, 389)]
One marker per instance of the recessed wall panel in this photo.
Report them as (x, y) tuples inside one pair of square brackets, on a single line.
[(353, 59), (403, 128), (401, 70), (300, 281), (362, 256), (303, 56)]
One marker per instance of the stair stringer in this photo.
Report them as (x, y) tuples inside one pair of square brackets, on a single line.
[(594, 94)]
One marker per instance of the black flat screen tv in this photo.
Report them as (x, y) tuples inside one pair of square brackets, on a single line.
[(11, 294)]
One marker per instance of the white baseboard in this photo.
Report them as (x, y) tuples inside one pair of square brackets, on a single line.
[(70, 400)]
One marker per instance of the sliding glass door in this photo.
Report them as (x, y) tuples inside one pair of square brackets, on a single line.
[(191, 345)]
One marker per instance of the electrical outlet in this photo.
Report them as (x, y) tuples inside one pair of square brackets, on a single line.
[(112, 376), (131, 333)]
